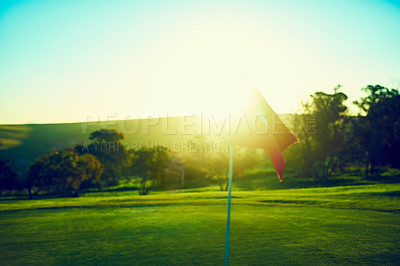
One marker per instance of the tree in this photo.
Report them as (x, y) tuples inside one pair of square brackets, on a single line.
[(302, 157), (194, 160), (8, 175), (149, 164), (175, 173), (106, 145), (216, 166), (107, 135), (63, 172), (378, 132), (323, 141)]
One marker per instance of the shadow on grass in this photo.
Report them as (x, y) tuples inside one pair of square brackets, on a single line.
[(269, 181)]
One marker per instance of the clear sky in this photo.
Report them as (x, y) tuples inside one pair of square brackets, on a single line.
[(79, 60)]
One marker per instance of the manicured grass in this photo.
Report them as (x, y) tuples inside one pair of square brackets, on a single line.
[(335, 225)]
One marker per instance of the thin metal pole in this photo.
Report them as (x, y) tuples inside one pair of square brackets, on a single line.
[(228, 218)]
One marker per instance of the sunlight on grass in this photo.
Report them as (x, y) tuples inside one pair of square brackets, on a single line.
[(334, 225)]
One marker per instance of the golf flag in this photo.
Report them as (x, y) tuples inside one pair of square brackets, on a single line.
[(259, 127)]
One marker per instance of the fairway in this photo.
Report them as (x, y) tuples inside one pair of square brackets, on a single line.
[(337, 225)]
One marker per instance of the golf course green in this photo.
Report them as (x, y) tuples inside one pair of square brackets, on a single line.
[(312, 226)]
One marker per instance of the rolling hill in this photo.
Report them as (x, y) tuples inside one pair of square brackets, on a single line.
[(25, 143)]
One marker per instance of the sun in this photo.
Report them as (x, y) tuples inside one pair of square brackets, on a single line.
[(202, 72)]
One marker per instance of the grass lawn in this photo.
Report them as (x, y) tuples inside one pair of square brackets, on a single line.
[(334, 225)]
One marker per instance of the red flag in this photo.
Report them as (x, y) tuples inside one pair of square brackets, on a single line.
[(260, 127)]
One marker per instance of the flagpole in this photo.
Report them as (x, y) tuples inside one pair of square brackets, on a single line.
[(228, 218)]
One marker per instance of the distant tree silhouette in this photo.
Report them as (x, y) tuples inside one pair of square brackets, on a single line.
[(107, 135), (106, 145), (149, 164), (323, 142), (216, 165), (8, 175), (330, 112), (216, 168), (62, 172), (379, 130)]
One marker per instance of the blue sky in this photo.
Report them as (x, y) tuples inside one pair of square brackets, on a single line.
[(66, 61)]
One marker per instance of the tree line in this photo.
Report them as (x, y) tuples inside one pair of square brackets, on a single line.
[(332, 141), (105, 161)]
